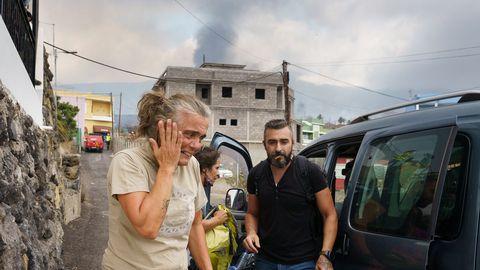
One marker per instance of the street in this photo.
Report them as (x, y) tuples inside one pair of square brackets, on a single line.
[(85, 238)]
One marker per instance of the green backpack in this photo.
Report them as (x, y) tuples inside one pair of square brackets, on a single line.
[(221, 242)]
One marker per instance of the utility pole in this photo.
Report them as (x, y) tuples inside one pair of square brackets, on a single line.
[(54, 52), (286, 80), (111, 106), (55, 55), (120, 116)]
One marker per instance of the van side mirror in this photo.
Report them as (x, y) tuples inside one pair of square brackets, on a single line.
[(236, 199)]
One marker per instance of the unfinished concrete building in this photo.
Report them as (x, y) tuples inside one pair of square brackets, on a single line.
[(241, 100)]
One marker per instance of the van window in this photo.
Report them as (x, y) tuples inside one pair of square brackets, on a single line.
[(233, 173), (319, 158), (451, 204), (397, 182), (340, 177)]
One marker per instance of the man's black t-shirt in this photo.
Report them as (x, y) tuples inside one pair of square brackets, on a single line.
[(284, 219)]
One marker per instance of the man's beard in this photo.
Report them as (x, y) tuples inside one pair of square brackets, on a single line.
[(279, 159)]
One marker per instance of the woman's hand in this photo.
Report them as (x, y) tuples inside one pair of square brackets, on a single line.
[(221, 216), (170, 139)]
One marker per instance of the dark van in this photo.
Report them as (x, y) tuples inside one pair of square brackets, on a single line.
[(405, 182)]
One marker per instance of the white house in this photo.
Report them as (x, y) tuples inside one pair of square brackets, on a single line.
[(21, 56)]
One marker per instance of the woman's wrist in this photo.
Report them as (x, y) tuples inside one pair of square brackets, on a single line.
[(166, 170)]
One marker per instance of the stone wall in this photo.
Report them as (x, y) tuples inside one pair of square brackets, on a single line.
[(30, 207), (33, 189)]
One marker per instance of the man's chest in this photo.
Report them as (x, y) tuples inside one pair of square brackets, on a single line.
[(287, 195)]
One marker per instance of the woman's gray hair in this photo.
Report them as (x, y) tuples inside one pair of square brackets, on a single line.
[(154, 106)]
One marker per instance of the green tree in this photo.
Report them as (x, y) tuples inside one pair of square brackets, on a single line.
[(341, 120), (319, 116), (67, 126)]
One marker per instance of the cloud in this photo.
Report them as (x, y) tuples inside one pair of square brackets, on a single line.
[(134, 37), (146, 36)]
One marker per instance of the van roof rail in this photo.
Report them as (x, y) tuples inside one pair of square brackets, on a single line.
[(465, 96)]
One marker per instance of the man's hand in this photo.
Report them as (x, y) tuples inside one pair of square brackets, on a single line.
[(220, 216), (323, 264), (252, 243), (167, 153)]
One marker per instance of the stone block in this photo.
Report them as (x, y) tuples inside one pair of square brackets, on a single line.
[(72, 205), (71, 172)]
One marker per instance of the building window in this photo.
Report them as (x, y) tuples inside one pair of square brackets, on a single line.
[(205, 93), (233, 122), (222, 122), (259, 93), (227, 92)]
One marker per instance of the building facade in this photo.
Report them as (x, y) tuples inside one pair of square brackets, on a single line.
[(241, 100), (95, 110), (312, 129)]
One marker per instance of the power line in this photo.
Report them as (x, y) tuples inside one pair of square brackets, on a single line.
[(258, 78), (392, 57), (400, 61), (219, 35), (329, 103), (144, 75), (102, 64), (347, 83)]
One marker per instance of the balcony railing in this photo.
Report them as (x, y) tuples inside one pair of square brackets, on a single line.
[(23, 30)]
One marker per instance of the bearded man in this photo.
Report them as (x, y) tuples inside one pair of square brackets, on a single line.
[(278, 220)]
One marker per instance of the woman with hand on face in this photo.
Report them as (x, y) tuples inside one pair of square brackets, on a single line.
[(156, 194), (209, 160)]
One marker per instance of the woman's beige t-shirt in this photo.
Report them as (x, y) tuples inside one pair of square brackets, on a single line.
[(133, 170)]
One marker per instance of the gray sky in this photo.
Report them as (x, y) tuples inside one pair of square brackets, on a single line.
[(354, 41)]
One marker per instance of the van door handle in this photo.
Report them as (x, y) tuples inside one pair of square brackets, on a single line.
[(345, 244)]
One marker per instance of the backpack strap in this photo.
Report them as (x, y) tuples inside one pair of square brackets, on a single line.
[(259, 174), (302, 172)]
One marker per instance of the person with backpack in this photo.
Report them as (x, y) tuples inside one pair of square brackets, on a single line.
[(291, 221)]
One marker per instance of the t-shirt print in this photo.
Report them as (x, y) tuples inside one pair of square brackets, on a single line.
[(180, 213)]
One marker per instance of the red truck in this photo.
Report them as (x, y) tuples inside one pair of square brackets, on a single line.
[(93, 143)]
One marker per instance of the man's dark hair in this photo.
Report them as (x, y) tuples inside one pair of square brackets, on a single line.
[(207, 157), (276, 124)]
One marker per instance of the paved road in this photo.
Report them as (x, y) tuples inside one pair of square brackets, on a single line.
[(85, 238)]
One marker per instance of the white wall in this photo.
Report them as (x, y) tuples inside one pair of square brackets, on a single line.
[(39, 63), (15, 78)]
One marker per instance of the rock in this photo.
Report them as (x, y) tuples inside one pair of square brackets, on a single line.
[(47, 234), (4, 138), (15, 130), (71, 172), (71, 160), (28, 122), (3, 213), (73, 184), (25, 261)]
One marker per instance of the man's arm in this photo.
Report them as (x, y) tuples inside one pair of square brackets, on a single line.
[(252, 242), (330, 222), (197, 243)]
